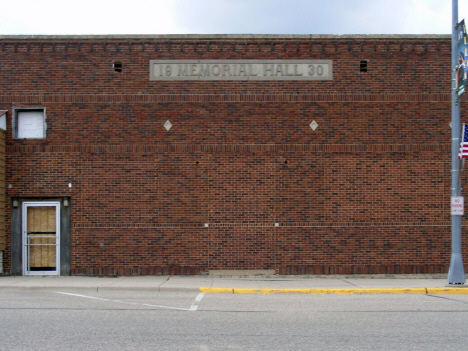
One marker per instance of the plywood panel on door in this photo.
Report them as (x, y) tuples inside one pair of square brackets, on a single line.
[(41, 223)]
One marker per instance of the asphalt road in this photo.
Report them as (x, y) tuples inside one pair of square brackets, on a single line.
[(142, 320)]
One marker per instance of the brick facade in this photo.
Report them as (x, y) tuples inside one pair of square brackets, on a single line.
[(240, 181)]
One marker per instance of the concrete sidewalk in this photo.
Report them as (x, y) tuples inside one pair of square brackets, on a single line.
[(371, 284)]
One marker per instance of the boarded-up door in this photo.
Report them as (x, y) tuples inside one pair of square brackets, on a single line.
[(41, 238)]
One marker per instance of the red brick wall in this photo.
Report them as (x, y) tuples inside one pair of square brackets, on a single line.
[(367, 192)]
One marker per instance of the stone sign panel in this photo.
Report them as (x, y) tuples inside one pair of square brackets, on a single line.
[(241, 70)]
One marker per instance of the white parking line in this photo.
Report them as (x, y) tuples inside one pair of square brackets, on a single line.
[(196, 302), (132, 303)]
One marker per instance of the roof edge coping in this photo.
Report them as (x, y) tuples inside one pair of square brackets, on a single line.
[(224, 36)]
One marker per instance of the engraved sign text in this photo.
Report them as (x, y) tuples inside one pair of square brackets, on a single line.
[(241, 70)]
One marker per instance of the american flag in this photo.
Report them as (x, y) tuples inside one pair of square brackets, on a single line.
[(463, 153)]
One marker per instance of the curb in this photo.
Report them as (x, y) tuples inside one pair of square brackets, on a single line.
[(102, 288), (424, 291)]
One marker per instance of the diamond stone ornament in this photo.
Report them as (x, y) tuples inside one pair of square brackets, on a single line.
[(168, 125), (313, 125)]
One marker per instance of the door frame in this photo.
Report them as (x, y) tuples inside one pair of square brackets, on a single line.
[(25, 248), (16, 206)]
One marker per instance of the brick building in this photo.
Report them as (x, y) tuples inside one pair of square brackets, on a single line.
[(185, 154)]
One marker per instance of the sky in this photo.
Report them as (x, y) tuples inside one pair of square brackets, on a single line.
[(100, 17)]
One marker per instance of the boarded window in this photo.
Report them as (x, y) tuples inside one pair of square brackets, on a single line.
[(29, 124)]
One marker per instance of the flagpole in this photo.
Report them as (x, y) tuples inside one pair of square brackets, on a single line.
[(456, 274)]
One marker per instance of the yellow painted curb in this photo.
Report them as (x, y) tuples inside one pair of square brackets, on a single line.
[(445, 291), (217, 290), (317, 291), (434, 291)]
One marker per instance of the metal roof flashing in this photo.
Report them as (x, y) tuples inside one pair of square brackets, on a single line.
[(225, 37)]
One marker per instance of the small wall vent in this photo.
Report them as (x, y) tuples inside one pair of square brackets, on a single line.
[(363, 65), (117, 66)]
